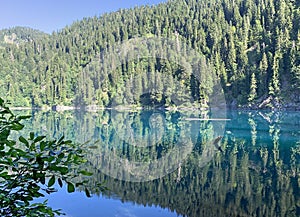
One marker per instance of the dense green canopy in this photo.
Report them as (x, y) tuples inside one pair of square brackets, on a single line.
[(252, 46)]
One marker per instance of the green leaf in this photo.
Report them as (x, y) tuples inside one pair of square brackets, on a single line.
[(17, 126), (85, 173), (61, 155), (87, 193), (71, 187), (4, 134), (60, 140), (38, 194), (23, 117), (5, 111), (50, 159), (66, 142), (4, 174), (39, 138), (42, 145), (21, 153), (77, 184), (42, 178), (60, 182), (32, 147), (23, 140), (31, 135), (50, 190), (41, 161), (62, 170), (51, 181)]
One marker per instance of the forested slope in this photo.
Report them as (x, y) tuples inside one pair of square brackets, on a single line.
[(253, 47), (17, 35)]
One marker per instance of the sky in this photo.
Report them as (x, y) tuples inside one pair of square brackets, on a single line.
[(53, 15)]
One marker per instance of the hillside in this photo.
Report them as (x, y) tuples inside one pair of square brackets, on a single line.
[(17, 35), (253, 47)]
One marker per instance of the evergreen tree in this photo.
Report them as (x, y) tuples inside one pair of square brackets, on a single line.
[(253, 87)]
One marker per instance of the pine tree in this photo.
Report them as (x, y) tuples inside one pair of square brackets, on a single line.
[(253, 87), (275, 78), (263, 70), (296, 77)]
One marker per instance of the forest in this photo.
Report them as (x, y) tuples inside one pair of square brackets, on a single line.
[(251, 48)]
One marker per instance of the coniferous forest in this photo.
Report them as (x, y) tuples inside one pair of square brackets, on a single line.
[(253, 48)]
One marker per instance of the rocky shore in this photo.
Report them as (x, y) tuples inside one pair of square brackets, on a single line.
[(274, 104)]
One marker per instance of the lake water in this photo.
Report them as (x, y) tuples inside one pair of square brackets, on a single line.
[(157, 163)]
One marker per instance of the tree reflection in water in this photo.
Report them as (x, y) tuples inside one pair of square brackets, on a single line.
[(257, 174)]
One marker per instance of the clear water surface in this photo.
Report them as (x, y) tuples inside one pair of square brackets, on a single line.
[(252, 171)]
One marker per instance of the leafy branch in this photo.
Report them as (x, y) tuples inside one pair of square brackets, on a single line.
[(31, 166)]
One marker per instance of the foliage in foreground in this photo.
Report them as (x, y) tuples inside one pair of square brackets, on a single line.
[(30, 167)]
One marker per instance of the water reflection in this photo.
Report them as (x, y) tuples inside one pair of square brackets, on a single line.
[(257, 174)]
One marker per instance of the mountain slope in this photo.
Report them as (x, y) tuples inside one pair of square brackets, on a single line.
[(252, 46), (17, 35)]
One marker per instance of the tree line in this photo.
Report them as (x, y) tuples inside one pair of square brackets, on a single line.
[(250, 47)]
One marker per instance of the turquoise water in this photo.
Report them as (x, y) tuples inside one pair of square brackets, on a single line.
[(157, 163)]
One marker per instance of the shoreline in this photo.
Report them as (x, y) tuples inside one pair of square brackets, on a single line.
[(125, 108)]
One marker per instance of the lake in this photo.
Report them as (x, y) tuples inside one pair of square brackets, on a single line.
[(157, 163)]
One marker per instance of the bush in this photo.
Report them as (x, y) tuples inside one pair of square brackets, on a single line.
[(30, 167)]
